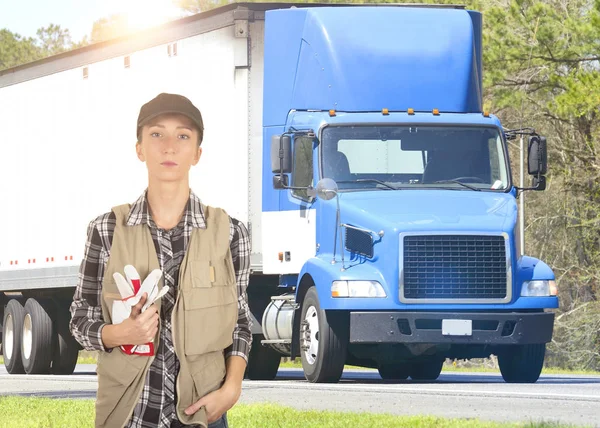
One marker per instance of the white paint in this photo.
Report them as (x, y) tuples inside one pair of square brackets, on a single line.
[(68, 144), (293, 231)]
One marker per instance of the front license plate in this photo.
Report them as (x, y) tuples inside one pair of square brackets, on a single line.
[(457, 327)]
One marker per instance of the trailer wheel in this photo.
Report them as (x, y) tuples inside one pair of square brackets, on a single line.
[(67, 348), (428, 370), (522, 363), (394, 371), (263, 361), (323, 341), (11, 340), (37, 344)]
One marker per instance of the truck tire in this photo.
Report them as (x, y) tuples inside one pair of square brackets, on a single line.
[(323, 341), (37, 345), (522, 363), (399, 371), (263, 361), (11, 339), (428, 370), (67, 348)]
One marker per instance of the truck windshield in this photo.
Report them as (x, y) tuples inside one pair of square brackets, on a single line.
[(404, 157)]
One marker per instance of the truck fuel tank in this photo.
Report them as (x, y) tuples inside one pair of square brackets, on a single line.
[(277, 323)]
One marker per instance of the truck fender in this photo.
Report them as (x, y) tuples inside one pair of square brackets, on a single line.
[(530, 268), (323, 273)]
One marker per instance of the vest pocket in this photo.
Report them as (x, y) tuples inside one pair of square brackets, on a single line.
[(210, 317), (208, 273), (210, 376), (116, 372)]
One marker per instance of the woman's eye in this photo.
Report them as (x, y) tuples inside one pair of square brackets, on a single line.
[(155, 134), (184, 137)]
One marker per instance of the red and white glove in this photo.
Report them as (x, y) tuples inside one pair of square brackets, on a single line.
[(132, 289)]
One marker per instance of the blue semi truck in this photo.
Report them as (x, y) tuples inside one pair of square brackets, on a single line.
[(353, 142)]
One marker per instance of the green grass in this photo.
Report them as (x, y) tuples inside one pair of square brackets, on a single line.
[(54, 413)]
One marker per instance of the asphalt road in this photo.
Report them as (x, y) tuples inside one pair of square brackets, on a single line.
[(567, 399)]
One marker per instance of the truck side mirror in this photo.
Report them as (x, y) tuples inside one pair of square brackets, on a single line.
[(281, 154), (280, 182), (537, 156), (538, 183)]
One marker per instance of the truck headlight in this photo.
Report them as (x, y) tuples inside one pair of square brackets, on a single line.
[(357, 289), (538, 288)]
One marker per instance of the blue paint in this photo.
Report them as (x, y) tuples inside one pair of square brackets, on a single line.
[(287, 281), (531, 269), (358, 61)]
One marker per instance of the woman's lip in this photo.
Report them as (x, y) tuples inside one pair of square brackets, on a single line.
[(169, 163)]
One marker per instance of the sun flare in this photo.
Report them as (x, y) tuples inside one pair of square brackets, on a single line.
[(142, 14)]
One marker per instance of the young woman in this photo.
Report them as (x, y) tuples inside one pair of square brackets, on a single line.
[(200, 329)]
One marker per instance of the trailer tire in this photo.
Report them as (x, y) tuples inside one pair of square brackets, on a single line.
[(263, 361), (522, 363), (37, 345), (397, 371), (14, 315), (427, 370), (66, 351), (323, 340)]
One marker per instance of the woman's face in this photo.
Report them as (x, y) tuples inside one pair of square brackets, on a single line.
[(169, 146)]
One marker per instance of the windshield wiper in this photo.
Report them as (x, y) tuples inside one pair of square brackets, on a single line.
[(468, 186), (370, 180)]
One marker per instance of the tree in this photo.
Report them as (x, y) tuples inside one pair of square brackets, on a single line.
[(110, 27), (15, 50), (53, 40)]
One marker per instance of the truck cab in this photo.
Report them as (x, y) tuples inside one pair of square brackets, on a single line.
[(389, 207)]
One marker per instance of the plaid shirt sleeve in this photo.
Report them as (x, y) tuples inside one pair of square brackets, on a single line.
[(86, 309), (240, 252)]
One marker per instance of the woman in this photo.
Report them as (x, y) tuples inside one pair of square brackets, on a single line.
[(201, 328)]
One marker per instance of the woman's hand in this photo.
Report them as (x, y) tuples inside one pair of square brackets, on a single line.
[(217, 402), (139, 329)]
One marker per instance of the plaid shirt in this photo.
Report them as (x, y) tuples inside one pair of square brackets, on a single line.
[(156, 407)]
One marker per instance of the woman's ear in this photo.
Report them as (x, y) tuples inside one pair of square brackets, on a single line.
[(197, 156), (139, 151)]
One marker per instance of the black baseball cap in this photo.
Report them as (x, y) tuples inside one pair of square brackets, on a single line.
[(170, 104)]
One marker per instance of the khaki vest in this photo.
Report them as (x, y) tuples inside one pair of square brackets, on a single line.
[(203, 318)]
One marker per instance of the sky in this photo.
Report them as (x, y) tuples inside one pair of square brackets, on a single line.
[(26, 16)]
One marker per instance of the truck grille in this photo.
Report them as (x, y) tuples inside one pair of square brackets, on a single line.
[(454, 267)]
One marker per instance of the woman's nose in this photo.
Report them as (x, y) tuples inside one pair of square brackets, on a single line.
[(169, 144)]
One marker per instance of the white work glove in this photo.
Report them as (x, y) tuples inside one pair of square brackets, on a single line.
[(131, 292)]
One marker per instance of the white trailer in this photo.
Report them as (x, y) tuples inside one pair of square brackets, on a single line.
[(69, 155)]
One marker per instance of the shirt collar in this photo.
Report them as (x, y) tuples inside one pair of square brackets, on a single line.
[(192, 216)]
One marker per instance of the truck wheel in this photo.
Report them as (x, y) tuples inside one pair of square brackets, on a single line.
[(37, 345), (323, 341), (522, 363), (263, 361), (394, 371), (11, 340), (428, 370), (67, 348)]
